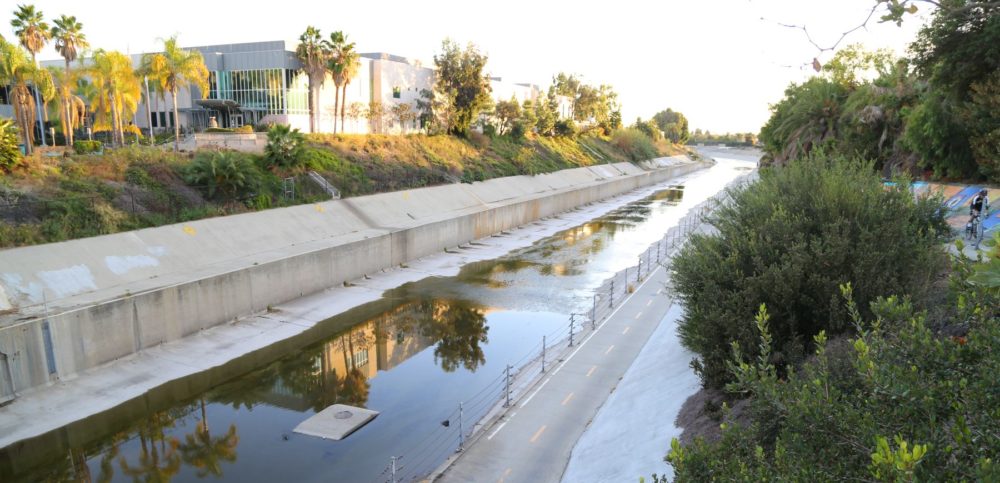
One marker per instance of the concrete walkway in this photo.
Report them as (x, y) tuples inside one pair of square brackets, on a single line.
[(533, 442)]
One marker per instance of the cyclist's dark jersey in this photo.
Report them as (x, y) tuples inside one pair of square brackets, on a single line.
[(977, 203)]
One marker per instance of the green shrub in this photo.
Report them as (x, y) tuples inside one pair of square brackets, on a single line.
[(86, 147), (10, 153), (789, 241), (227, 174), (565, 127), (902, 402), (284, 146), (244, 129), (220, 130), (634, 143)]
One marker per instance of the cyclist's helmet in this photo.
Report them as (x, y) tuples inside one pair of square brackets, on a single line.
[(982, 191)]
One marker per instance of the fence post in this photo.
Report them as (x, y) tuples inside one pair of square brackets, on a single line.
[(393, 458), (611, 303), (506, 403), (461, 428), (543, 353), (593, 310), (638, 274), (572, 319)]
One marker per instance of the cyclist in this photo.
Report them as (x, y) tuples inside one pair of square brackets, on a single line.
[(980, 203)]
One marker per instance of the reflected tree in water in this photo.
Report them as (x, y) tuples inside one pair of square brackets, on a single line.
[(205, 452), (459, 329), (159, 459)]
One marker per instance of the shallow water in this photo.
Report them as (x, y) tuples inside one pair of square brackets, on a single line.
[(412, 355)]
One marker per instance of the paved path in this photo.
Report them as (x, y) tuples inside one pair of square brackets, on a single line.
[(532, 443)]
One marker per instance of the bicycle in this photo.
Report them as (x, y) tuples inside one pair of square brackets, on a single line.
[(974, 229)]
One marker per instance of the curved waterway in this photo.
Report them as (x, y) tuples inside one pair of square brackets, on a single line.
[(412, 356)]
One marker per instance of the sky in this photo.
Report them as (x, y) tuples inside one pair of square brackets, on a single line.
[(720, 62)]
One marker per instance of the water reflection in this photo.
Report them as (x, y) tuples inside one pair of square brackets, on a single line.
[(205, 452)]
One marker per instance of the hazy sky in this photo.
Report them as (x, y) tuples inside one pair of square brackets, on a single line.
[(716, 61)]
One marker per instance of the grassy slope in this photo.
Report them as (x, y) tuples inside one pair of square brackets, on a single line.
[(60, 198)]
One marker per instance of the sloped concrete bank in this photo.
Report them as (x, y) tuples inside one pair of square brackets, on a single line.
[(76, 305)]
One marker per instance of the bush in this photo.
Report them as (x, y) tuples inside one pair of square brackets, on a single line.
[(244, 129), (565, 127), (225, 174), (284, 146), (221, 130), (899, 403), (87, 147), (789, 241), (635, 144), (10, 153)]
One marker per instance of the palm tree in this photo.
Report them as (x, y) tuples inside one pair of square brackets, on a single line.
[(16, 71), (206, 453), (344, 64), (313, 52), (69, 41), (72, 108), (118, 91), (173, 69), (33, 33)]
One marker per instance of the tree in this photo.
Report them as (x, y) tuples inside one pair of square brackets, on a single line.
[(33, 33), (69, 41), (343, 65), (545, 113), (10, 155), (808, 117), (461, 87), (71, 108), (528, 120), (356, 111), (284, 146), (673, 124), (118, 90), (173, 69), (314, 53), (850, 65), (649, 128), (17, 71), (374, 114), (506, 113), (402, 114)]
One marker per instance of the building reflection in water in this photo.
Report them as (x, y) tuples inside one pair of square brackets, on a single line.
[(338, 371)]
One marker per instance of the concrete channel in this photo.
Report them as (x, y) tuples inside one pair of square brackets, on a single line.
[(74, 306)]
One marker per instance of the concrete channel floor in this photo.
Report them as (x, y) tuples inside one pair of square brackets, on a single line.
[(533, 442)]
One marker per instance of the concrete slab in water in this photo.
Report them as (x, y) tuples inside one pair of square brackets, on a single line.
[(336, 422)]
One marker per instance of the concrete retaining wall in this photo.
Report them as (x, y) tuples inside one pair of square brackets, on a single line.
[(249, 142), (107, 297)]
